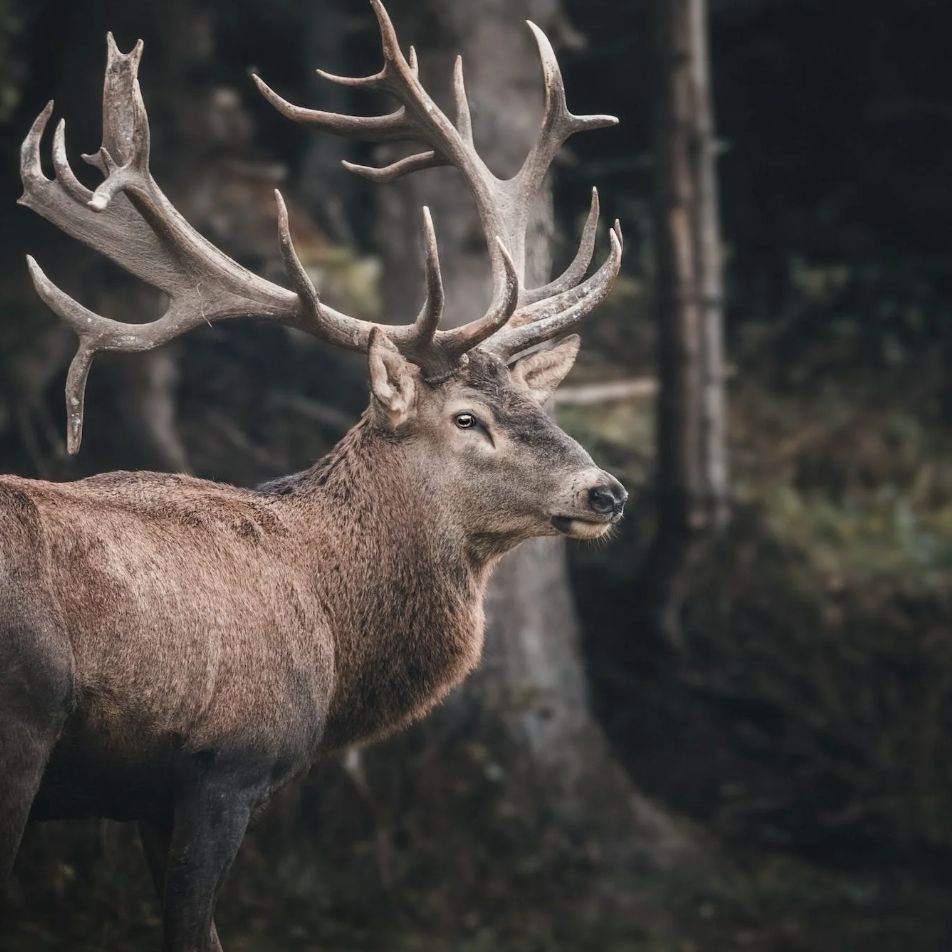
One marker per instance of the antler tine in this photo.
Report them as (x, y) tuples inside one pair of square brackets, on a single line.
[(31, 168), (431, 313), (555, 304), (579, 265), (427, 123), (464, 119), (418, 118), (98, 334), (397, 169), (387, 128), (555, 317), (461, 339), (373, 81), (421, 160), (64, 172), (300, 280), (558, 124), (414, 339), (368, 82), (85, 323)]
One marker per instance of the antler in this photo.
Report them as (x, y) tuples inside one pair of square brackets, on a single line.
[(504, 205), (129, 220)]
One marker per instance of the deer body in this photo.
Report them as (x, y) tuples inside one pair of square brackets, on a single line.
[(273, 624), (173, 650)]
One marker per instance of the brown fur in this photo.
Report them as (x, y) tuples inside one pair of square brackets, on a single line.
[(174, 628)]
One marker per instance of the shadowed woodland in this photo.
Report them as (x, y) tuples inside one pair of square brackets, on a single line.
[(726, 729)]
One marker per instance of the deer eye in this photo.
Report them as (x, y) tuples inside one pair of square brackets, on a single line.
[(465, 421)]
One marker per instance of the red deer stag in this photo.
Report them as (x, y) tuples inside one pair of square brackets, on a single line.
[(173, 651)]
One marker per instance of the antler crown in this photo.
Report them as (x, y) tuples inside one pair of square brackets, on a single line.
[(129, 220)]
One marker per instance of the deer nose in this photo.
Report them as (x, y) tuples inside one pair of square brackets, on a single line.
[(608, 497)]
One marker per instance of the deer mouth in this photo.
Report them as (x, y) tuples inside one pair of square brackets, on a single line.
[(583, 527)]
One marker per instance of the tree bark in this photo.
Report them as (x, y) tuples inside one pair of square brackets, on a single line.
[(324, 185), (692, 475)]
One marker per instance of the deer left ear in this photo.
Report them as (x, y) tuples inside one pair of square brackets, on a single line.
[(541, 372), (392, 379)]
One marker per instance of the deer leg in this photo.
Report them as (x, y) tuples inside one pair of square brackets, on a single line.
[(24, 751), (156, 841), (209, 824), (35, 692)]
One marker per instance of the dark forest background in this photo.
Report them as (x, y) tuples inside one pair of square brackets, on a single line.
[(778, 775)]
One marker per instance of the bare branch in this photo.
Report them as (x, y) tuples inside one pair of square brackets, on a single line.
[(609, 392)]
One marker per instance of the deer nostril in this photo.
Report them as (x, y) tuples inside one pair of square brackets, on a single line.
[(607, 498)]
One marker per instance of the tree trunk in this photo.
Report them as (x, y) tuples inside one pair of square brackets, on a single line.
[(324, 184), (692, 476), (532, 681)]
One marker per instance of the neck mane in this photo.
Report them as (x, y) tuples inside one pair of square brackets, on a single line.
[(403, 594), (352, 453)]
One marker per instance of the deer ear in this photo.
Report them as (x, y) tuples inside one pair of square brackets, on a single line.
[(391, 379), (541, 372)]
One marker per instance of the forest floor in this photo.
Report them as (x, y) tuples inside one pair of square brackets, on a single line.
[(775, 906)]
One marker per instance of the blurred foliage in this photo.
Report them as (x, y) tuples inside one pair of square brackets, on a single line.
[(12, 67)]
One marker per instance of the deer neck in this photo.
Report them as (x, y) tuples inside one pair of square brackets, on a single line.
[(404, 593)]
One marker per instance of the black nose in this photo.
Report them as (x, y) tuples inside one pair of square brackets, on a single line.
[(608, 497)]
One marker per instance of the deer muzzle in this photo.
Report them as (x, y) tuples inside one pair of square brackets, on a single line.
[(599, 504)]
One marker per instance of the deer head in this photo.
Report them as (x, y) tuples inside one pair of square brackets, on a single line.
[(489, 458), (467, 402)]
